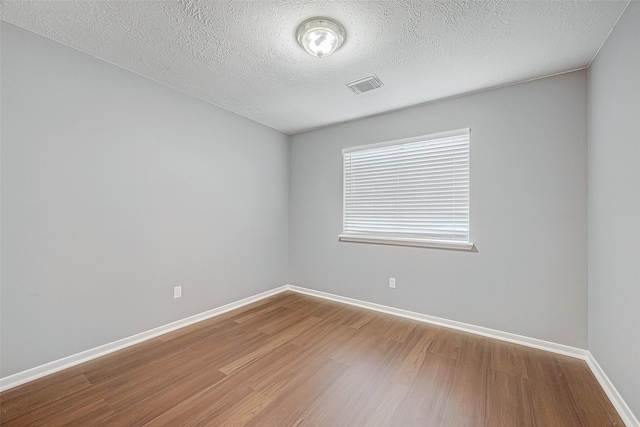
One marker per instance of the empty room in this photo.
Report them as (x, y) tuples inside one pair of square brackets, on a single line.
[(320, 213)]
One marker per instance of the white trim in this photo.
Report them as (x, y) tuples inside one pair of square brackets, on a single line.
[(616, 399), (465, 327), (49, 368), (93, 353), (406, 241), (447, 134)]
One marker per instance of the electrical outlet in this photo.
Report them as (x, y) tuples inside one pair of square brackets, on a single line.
[(392, 282), (177, 291)]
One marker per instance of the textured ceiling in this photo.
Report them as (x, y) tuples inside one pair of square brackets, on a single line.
[(243, 56)]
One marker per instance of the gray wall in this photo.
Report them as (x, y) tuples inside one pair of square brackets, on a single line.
[(614, 207), (528, 214), (114, 190)]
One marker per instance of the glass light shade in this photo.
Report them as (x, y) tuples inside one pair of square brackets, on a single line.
[(320, 36)]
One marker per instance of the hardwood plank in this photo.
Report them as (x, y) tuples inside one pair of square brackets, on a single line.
[(240, 413), (414, 360), (212, 324), (509, 358), (324, 337), (228, 391), (400, 329), (279, 323), (207, 403), (115, 365), (143, 411), (237, 340), (380, 324), (89, 414), (304, 303), (361, 319), (425, 403), (115, 359), (295, 360), (509, 401), (591, 402), (466, 402), (383, 415), (285, 369), (262, 318), (293, 396), (550, 394), (187, 393), (145, 389), (259, 307), (43, 392), (277, 341), (475, 347), (340, 316), (447, 343), (354, 394)]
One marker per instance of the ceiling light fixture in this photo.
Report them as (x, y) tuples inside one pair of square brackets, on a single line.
[(320, 36)]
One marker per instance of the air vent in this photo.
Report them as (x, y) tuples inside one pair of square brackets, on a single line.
[(364, 84)]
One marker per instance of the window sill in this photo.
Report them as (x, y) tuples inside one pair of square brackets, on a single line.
[(405, 241)]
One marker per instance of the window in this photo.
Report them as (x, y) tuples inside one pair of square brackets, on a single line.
[(412, 192)]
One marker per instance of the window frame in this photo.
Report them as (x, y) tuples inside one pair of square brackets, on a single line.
[(422, 241)]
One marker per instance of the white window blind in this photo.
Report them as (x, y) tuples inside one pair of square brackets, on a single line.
[(409, 191)]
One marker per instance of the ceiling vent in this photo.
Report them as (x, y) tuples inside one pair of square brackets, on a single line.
[(365, 84)]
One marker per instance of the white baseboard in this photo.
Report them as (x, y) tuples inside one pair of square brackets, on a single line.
[(618, 402), (478, 330), (78, 358), (67, 362)]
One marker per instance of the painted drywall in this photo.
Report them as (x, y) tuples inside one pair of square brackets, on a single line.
[(115, 189), (528, 214), (614, 207)]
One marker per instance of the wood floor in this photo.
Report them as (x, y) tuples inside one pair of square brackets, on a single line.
[(293, 360)]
